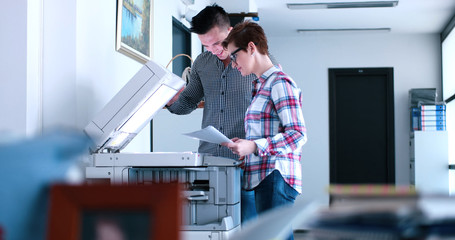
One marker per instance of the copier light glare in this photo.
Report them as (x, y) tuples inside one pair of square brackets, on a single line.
[(119, 140), (146, 112)]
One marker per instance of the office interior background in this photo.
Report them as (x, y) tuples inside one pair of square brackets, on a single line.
[(59, 67)]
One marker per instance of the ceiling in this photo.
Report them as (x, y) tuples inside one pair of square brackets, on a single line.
[(409, 16)]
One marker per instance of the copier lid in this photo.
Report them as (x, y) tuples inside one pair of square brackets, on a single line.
[(133, 107)]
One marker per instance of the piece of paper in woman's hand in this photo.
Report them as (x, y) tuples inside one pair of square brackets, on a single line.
[(209, 134)]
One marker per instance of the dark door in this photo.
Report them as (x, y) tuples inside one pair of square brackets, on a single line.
[(362, 148), (181, 44)]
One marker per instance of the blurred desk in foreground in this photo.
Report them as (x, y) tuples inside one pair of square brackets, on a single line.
[(384, 212)]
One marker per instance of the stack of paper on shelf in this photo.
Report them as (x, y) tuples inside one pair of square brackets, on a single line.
[(433, 117), (417, 97)]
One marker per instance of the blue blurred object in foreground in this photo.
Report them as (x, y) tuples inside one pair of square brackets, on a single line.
[(28, 168)]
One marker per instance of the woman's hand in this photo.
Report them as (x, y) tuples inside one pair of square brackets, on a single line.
[(241, 147)]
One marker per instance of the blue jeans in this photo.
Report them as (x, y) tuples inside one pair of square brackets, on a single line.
[(247, 205), (274, 192)]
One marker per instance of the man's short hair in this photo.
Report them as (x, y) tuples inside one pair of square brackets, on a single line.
[(208, 18)]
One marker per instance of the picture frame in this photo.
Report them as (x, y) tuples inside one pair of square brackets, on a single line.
[(132, 211), (134, 32)]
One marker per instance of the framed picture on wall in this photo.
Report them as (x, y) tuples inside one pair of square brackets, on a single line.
[(115, 211), (134, 29)]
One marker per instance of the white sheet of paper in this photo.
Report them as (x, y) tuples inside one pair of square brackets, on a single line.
[(209, 134)]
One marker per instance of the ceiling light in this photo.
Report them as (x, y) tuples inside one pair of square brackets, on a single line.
[(335, 5), (345, 30)]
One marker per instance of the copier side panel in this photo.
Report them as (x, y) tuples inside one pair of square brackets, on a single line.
[(213, 193)]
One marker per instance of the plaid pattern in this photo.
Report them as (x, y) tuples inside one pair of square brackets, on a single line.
[(226, 93), (274, 120)]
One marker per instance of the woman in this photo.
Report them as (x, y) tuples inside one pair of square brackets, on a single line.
[(274, 124)]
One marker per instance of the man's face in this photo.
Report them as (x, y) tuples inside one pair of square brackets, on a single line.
[(212, 41)]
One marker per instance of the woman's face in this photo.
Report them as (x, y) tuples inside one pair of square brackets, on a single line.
[(239, 59)]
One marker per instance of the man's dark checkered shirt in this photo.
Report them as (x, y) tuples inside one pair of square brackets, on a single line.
[(227, 95)]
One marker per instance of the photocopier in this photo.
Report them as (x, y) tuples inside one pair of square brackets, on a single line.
[(211, 184)]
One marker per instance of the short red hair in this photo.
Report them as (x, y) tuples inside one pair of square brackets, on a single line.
[(246, 32)]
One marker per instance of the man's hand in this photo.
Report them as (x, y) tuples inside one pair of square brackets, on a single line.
[(173, 99)]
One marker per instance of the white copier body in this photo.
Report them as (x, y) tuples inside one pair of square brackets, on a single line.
[(211, 184)]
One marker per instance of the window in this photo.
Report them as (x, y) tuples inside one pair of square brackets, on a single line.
[(448, 91)]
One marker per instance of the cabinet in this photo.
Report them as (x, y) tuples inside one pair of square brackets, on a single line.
[(429, 163)]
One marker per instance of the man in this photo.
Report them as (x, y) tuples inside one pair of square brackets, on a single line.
[(225, 92)]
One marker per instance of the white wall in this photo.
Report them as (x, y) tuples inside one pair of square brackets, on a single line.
[(34, 100), (13, 66), (59, 64), (416, 63)]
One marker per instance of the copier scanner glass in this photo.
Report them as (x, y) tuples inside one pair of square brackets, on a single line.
[(133, 107)]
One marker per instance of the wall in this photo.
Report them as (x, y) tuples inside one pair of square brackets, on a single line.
[(307, 58), (13, 65), (34, 116), (59, 64)]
